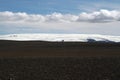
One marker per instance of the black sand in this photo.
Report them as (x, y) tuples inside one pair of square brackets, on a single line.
[(92, 68), (57, 49), (37, 60)]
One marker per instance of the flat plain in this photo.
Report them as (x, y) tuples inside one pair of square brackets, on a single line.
[(40, 60), (57, 49)]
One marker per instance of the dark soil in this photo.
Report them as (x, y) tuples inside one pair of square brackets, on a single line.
[(39, 60), (60, 68), (57, 49)]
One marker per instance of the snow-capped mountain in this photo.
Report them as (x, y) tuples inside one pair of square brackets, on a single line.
[(61, 37)]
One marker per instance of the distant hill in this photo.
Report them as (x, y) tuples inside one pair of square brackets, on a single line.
[(61, 37)]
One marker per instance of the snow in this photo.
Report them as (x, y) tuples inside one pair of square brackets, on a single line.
[(61, 37)]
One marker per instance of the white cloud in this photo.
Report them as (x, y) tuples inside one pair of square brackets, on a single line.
[(97, 22), (96, 17), (100, 16), (8, 16)]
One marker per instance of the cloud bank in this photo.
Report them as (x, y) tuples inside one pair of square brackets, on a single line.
[(97, 22), (101, 16)]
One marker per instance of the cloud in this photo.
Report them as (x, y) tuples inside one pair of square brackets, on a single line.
[(101, 16), (97, 22), (8, 16)]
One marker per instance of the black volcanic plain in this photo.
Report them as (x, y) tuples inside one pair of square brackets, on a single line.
[(57, 49), (41, 60)]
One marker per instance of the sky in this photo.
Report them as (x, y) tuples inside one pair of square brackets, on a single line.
[(60, 16)]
